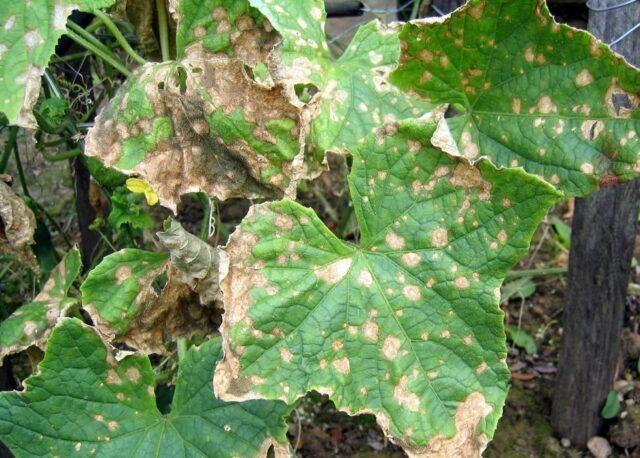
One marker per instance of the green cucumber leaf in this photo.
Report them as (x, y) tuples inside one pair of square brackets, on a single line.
[(223, 28), (527, 92), (28, 37), (97, 406), (31, 324), (406, 324), (197, 261), (136, 297), (354, 95), (223, 134)]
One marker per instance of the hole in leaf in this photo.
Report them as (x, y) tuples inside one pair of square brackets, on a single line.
[(164, 397), (159, 283), (161, 85), (181, 79), (305, 92)]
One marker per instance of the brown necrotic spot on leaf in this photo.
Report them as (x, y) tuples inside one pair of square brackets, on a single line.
[(221, 133), (466, 442), (620, 103)]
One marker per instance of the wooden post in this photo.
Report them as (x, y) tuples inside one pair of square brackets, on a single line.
[(602, 241)]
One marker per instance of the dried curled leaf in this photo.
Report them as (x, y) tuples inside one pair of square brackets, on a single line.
[(28, 36), (32, 323), (197, 261), (17, 225), (136, 297), (219, 28), (528, 92), (221, 133), (97, 406), (354, 95), (406, 325)]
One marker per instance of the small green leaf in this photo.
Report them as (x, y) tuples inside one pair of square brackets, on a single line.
[(96, 405), (125, 209), (404, 325), (563, 231), (612, 406), (520, 288), (28, 37), (527, 92), (32, 323), (355, 96), (522, 339)]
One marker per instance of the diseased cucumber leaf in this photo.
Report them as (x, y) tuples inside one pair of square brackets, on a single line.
[(97, 406), (222, 133), (404, 325), (17, 225), (28, 37), (136, 297), (222, 28), (354, 96), (527, 92), (32, 323)]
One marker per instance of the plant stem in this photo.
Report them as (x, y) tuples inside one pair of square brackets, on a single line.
[(182, 349), (416, 9), (106, 56), (23, 181), (163, 27), (57, 157), (205, 226), (51, 84), (122, 41), (536, 272), (87, 36), (8, 148)]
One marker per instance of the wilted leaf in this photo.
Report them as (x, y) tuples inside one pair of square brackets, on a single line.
[(222, 28), (97, 406), (527, 92), (522, 339), (404, 325), (354, 95), (135, 297), (197, 261), (32, 323), (221, 132), (17, 225), (28, 37)]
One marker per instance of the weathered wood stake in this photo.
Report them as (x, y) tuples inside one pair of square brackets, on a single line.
[(603, 236)]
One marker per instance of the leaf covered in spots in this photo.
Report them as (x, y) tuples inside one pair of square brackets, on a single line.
[(354, 95), (527, 92), (98, 406), (405, 324), (223, 28), (17, 225), (197, 261), (31, 324), (136, 297), (222, 133), (28, 36)]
